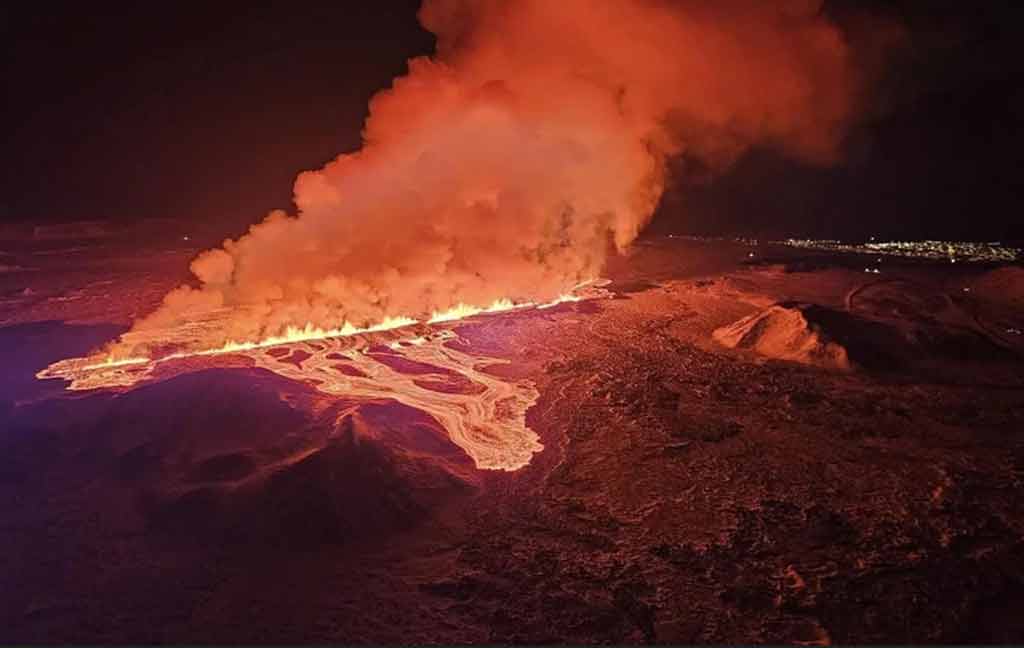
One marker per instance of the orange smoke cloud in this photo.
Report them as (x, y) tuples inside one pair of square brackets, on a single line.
[(530, 145)]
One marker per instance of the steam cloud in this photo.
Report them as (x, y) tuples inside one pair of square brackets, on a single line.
[(532, 144)]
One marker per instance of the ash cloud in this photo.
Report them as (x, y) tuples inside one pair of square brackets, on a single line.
[(532, 144)]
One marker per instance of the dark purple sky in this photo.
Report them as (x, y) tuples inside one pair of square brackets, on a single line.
[(206, 113)]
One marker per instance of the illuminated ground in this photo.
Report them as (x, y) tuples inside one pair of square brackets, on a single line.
[(683, 493)]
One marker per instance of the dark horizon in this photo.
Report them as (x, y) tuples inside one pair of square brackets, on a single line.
[(509, 369), (205, 116)]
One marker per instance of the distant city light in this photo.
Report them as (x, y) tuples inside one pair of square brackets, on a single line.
[(989, 252), (938, 250)]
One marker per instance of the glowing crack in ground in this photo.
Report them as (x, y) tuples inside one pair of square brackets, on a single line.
[(483, 414)]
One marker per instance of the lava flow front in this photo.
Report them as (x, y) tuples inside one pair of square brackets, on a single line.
[(409, 361)]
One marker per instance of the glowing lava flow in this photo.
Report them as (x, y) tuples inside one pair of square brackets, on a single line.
[(482, 414), (77, 370)]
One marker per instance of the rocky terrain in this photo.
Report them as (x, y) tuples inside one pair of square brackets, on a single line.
[(693, 487)]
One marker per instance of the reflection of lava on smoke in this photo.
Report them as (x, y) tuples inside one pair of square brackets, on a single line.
[(508, 164), (500, 171), (409, 412)]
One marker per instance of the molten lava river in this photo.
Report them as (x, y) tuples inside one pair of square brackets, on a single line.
[(419, 364)]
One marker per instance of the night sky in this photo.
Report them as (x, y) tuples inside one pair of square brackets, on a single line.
[(206, 113)]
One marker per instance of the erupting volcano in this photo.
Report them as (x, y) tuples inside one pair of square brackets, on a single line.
[(482, 414), (501, 171), (505, 166), (617, 321)]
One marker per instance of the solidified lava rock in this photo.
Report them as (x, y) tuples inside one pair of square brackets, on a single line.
[(225, 467), (785, 332), (893, 335), (705, 429), (1003, 285), (685, 494)]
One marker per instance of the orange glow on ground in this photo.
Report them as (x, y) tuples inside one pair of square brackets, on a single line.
[(482, 414)]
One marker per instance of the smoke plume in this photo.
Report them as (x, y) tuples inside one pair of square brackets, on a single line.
[(532, 144)]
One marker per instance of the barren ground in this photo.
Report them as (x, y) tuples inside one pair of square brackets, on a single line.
[(686, 492)]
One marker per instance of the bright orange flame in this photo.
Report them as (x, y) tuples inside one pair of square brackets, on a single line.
[(109, 363), (488, 422), (74, 368)]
